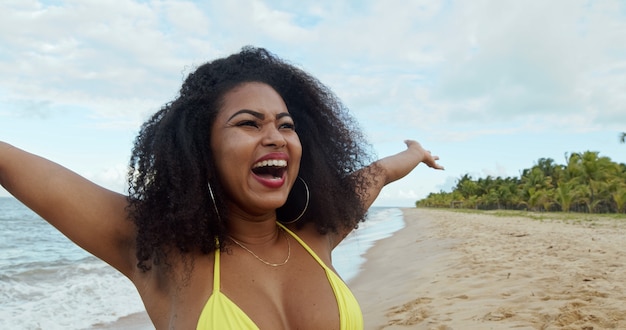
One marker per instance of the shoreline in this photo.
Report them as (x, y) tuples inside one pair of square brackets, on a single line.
[(394, 267), (453, 270)]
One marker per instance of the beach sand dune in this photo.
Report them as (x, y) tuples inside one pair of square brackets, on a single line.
[(453, 270)]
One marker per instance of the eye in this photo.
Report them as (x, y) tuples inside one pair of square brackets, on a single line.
[(250, 123), (288, 126)]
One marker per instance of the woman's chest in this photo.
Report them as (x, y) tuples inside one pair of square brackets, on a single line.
[(295, 295)]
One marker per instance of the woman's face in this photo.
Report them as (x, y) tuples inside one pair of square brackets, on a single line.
[(257, 151)]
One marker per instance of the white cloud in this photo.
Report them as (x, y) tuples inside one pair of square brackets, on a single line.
[(93, 55), (185, 18), (453, 71), (498, 171), (113, 178), (424, 62), (535, 58)]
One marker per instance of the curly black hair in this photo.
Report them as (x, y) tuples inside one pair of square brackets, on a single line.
[(172, 164)]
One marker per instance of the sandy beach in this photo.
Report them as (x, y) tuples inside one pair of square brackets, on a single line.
[(452, 270)]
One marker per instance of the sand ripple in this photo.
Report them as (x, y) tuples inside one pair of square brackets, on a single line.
[(449, 270)]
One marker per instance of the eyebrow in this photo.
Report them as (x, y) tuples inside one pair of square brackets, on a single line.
[(257, 114)]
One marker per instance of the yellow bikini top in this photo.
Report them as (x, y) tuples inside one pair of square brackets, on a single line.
[(221, 313)]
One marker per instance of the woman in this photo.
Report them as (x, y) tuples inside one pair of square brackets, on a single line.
[(239, 191)]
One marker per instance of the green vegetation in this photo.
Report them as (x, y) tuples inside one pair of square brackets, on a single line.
[(588, 183)]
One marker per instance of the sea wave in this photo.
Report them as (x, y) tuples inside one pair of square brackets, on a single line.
[(381, 222), (66, 297)]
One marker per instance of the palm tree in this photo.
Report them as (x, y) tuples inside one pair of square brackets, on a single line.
[(581, 197), (619, 197), (565, 195), (592, 171), (586, 183), (536, 199), (547, 166), (533, 187), (466, 186)]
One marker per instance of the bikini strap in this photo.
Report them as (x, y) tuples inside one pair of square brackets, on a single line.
[(216, 272), (304, 245)]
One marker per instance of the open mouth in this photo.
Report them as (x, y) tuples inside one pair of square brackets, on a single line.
[(270, 169)]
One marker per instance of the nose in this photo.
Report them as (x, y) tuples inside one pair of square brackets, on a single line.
[(274, 138)]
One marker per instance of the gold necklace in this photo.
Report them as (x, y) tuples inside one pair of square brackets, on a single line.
[(261, 259)]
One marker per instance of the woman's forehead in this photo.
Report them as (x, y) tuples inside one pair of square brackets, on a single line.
[(254, 96)]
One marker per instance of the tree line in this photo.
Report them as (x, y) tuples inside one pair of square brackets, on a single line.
[(587, 182)]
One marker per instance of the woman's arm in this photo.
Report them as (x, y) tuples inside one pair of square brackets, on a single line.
[(91, 216), (387, 170), (392, 168)]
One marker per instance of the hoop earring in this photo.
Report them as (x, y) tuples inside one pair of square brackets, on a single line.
[(306, 205), (214, 203)]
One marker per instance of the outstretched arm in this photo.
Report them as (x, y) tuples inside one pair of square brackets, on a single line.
[(91, 216), (395, 167), (387, 170)]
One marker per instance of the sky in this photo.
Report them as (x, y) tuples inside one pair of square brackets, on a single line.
[(490, 86)]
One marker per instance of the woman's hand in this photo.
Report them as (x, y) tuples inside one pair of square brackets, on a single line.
[(423, 155)]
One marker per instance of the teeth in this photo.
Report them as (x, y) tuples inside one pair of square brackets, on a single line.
[(271, 162)]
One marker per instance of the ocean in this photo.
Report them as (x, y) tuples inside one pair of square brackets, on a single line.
[(47, 282)]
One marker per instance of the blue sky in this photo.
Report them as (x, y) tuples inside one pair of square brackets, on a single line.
[(489, 86)]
